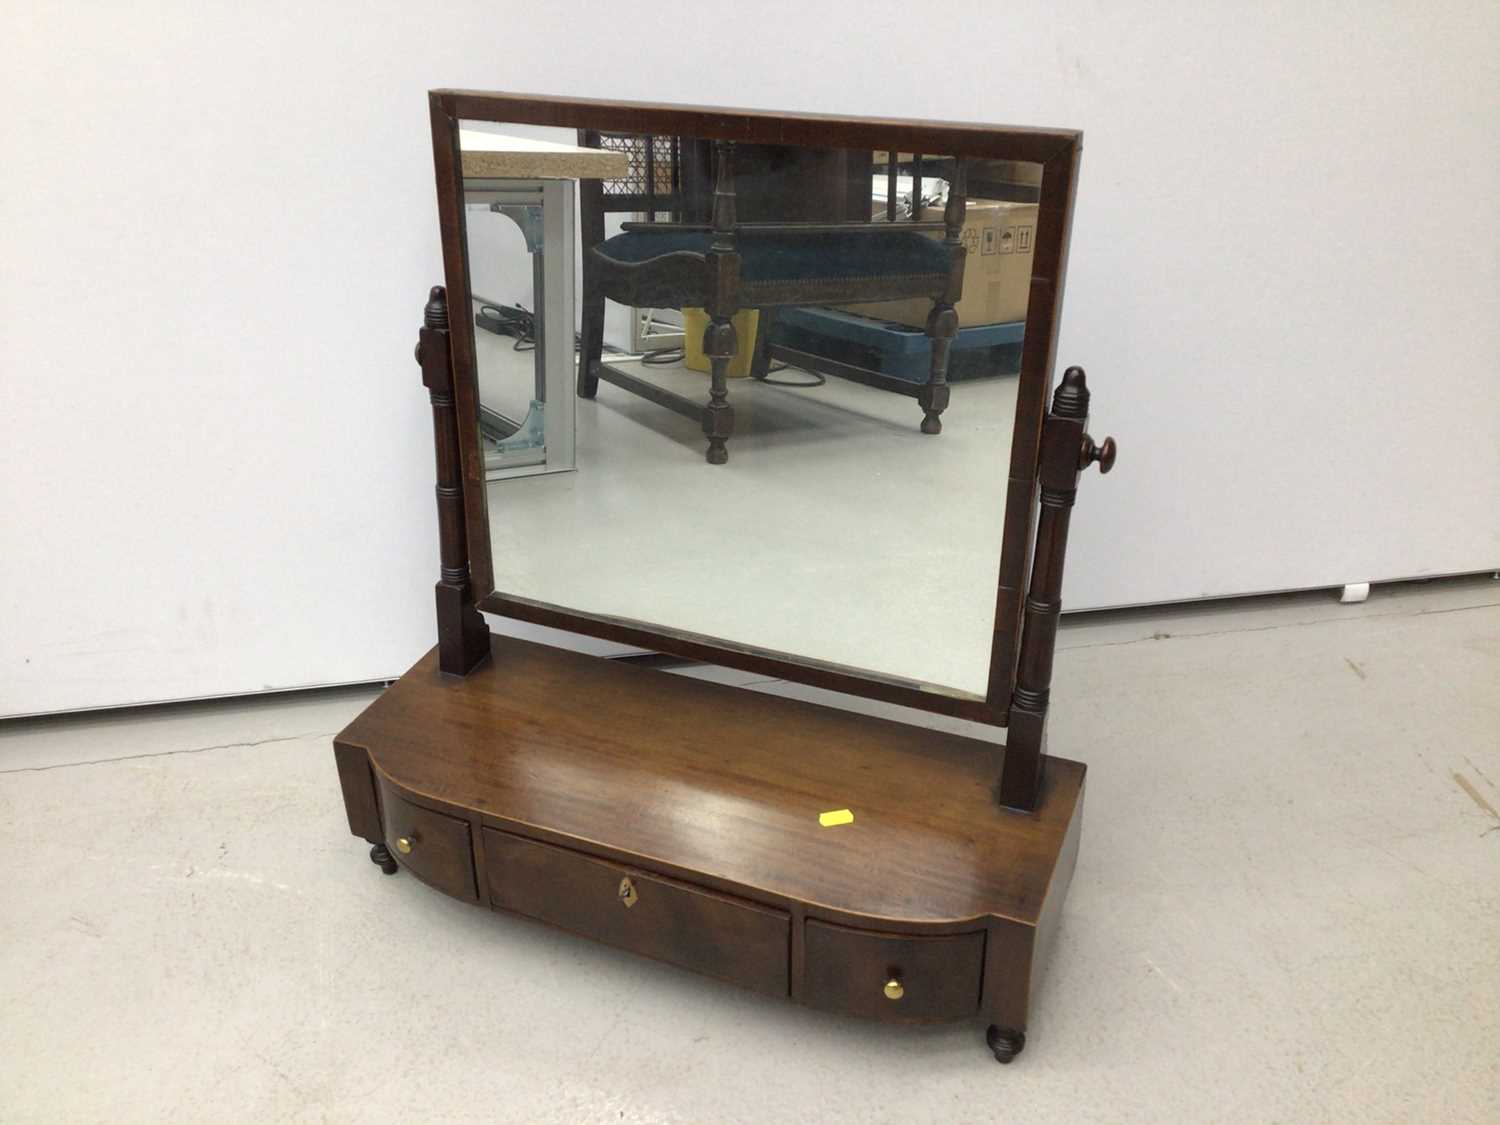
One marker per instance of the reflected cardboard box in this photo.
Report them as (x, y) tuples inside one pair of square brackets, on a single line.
[(999, 237)]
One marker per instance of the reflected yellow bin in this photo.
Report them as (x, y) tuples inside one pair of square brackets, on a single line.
[(694, 321)]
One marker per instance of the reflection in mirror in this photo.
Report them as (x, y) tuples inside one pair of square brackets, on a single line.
[(519, 214), (790, 425)]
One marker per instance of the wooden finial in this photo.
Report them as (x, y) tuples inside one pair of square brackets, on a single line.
[(1071, 399), (435, 315)]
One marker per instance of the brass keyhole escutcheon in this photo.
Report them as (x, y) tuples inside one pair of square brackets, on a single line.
[(403, 845), (627, 892)]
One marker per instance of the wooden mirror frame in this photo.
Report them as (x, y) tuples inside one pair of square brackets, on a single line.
[(1056, 150)]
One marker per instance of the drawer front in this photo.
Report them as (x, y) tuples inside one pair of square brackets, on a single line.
[(435, 848), (700, 930), (850, 970)]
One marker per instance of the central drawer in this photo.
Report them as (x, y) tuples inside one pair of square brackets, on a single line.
[(701, 930)]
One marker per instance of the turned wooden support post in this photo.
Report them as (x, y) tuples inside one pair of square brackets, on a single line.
[(1066, 450), (591, 320), (942, 321), (723, 301), (463, 637)]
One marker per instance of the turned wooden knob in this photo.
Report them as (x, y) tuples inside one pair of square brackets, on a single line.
[(1104, 453), (403, 845), (894, 989)]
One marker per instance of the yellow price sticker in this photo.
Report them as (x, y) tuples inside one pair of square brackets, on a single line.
[(835, 818)]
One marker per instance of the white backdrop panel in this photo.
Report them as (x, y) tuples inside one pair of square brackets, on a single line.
[(215, 462)]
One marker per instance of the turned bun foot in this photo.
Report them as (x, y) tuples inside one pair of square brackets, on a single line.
[(717, 454), (1005, 1042), (932, 424), (381, 857)]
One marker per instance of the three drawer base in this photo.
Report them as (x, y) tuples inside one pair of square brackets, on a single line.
[(909, 914)]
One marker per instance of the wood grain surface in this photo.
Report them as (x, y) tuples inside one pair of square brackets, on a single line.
[(723, 787)]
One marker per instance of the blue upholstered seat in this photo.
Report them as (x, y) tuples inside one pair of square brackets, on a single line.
[(833, 255)]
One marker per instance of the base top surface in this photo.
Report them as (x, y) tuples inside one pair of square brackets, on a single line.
[(724, 784)]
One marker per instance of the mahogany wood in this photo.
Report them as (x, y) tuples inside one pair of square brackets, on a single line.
[(678, 818), (711, 794), (358, 785), (661, 918), (462, 632), (438, 850), (1066, 450), (447, 160), (804, 130), (847, 971), (1056, 150), (707, 650), (1038, 357)]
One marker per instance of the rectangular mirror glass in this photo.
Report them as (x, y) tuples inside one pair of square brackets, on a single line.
[(833, 497)]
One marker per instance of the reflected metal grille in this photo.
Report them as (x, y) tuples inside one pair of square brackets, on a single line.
[(641, 152)]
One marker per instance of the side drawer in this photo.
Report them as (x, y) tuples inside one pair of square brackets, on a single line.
[(434, 847), (848, 970), (698, 929)]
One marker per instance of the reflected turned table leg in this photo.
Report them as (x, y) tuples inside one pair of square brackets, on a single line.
[(719, 339), (942, 327), (942, 321)]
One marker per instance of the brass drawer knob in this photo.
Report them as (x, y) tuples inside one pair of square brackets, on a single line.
[(894, 989), (627, 892), (403, 845)]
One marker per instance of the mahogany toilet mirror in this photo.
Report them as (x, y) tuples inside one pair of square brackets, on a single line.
[(854, 474)]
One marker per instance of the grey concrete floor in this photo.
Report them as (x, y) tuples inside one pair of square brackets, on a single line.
[(1287, 908)]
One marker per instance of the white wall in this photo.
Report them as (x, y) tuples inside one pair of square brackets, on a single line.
[(218, 227)]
